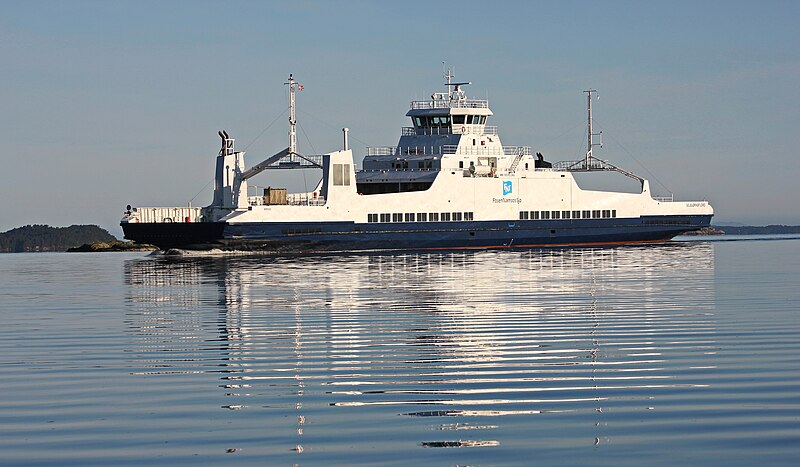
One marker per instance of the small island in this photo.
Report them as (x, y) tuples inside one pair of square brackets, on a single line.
[(44, 238)]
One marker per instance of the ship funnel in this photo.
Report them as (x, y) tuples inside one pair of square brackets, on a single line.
[(345, 132)]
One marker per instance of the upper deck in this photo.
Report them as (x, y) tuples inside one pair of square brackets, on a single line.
[(447, 103), (453, 102)]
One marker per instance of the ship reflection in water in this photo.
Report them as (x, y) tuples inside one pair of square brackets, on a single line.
[(508, 350)]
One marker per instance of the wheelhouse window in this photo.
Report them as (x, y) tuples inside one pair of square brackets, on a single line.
[(434, 121), (476, 119)]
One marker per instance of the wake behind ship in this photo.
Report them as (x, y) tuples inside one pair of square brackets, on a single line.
[(449, 183)]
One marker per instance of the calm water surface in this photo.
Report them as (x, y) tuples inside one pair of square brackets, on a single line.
[(681, 353)]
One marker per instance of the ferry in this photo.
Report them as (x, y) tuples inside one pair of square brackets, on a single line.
[(449, 183)]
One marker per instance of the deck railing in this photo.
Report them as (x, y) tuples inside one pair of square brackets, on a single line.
[(477, 130), (404, 151), (292, 199), (451, 104), (486, 150), (165, 215)]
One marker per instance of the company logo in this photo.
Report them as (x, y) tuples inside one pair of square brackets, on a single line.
[(507, 188)]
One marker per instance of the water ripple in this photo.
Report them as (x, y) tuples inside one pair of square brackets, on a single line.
[(551, 356), (517, 333)]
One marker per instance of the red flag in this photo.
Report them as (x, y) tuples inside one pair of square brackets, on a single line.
[(299, 87)]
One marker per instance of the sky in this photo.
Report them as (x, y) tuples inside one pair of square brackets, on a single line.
[(109, 103)]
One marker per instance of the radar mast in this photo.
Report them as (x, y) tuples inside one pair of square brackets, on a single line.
[(292, 120), (590, 143)]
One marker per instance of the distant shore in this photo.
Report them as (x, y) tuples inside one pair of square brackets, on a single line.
[(752, 230)]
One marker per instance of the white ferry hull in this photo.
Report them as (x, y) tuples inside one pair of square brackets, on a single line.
[(305, 237)]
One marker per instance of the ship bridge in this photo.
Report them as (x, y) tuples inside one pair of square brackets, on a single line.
[(449, 113), (449, 133)]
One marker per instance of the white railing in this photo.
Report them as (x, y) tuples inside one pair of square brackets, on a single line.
[(447, 149), (292, 199), (381, 151), (665, 199), (435, 130), (471, 150), (477, 130), (410, 169), (517, 150), (304, 199), (451, 103), (486, 150), (404, 151), (165, 215)]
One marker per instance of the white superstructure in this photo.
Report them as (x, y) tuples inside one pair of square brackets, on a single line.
[(448, 168)]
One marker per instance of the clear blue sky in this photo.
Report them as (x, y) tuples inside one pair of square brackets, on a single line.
[(106, 103)]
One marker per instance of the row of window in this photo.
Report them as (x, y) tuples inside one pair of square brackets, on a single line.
[(444, 120), (589, 214), (468, 216), (426, 164), (420, 217)]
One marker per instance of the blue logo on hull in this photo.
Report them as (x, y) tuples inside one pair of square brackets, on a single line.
[(507, 188)]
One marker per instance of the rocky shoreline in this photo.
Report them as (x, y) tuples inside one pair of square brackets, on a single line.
[(707, 231), (111, 246)]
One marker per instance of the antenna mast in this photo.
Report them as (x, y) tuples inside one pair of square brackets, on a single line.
[(590, 143), (292, 120), (448, 75)]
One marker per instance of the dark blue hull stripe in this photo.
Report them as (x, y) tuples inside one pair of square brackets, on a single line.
[(349, 236)]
